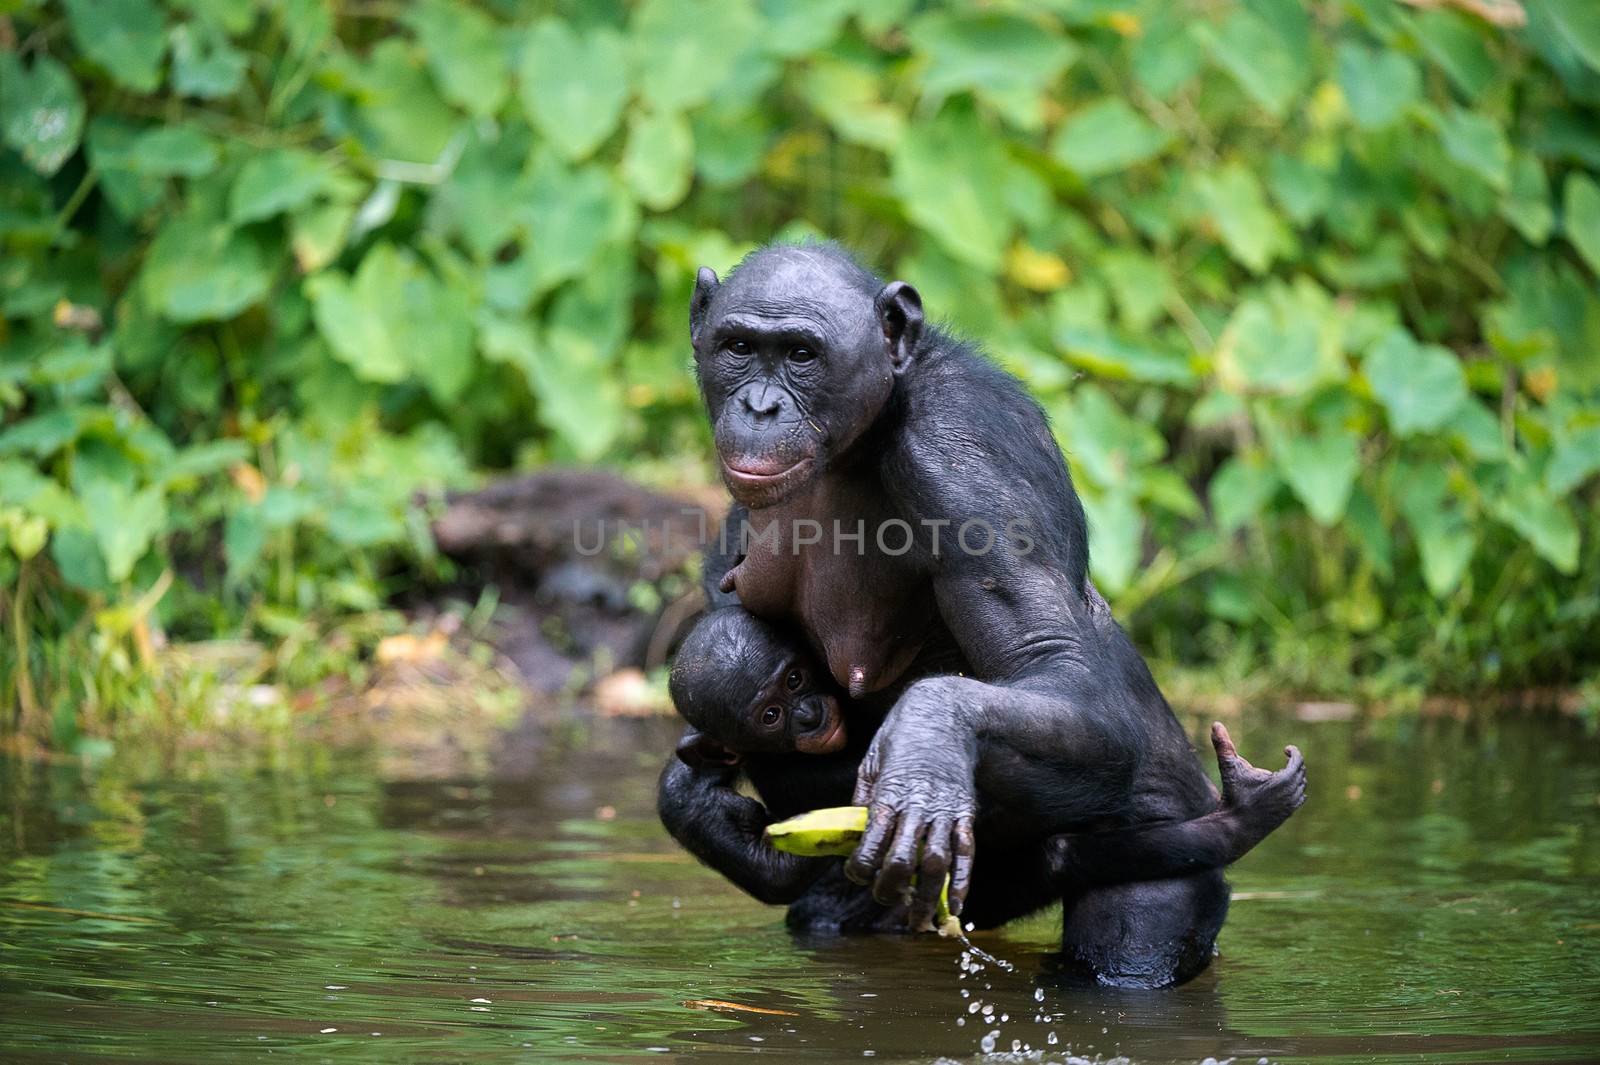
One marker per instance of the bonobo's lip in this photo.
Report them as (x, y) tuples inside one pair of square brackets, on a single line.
[(760, 479), (831, 740)]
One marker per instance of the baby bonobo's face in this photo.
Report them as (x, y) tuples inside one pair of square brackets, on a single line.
[(749, 688)]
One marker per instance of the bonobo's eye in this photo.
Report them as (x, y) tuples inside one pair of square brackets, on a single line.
[(772, 715), (802, 355), (738, 347), (794, 680)]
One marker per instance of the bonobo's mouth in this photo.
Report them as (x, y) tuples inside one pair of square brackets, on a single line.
[(827, 737), (752, 480)]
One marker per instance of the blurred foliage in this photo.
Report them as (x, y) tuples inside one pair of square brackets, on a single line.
[(1308, 290)]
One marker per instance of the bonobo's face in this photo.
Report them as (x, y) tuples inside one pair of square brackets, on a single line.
[(797, 354), (750, 691)]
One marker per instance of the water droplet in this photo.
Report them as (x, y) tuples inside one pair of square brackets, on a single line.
[(1038, 994), (1050, 1039), (988, 1041)]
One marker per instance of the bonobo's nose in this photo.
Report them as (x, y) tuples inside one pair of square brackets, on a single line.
[(808, 715), (761, 401)]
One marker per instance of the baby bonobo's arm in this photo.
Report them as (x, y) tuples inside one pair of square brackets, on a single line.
[(1254, 802)]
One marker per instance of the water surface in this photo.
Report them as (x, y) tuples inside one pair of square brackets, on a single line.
[(1437, 900)]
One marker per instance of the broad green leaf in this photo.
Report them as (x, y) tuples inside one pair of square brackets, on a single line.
[(800, 27), (174, 151), (130, 191), (197, 271), (398, 113), (847, 95), (1239, 489), (1303, 190), (1378, 86), (1167, 56), (1258, 58), (274, 181), (317, 234), (948, 172), (1526, 204), (1575, 459), (1580, 221), (1142, 286), (1455, 43), (1321, 469), (1579, 25), (658, 163), (573, 84), (395, 320), (729, 143), (1108, 356), (1106, 444), (125, 523), (993, 53), (578, 396), (1107, 135), (467, 51), (1267, 348), (1543, 521), (230, 16), (1420, 386), (682, 50), (1233, 200), (126, 37), (41, 111), (572, 214), (1116, 538), (1477, 143), (204, 64), (1445, 543)]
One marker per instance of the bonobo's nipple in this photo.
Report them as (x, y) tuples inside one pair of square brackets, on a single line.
[(858, 681)]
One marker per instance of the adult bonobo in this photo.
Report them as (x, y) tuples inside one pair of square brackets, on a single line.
[(916, 525)]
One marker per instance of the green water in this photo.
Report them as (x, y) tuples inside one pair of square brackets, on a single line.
[(1438, 899)]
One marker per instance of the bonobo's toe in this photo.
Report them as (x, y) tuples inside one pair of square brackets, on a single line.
[(1264, 797)]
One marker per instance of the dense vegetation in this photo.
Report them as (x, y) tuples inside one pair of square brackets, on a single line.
[(1308, 290)]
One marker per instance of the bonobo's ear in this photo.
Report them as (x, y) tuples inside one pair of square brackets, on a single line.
[(705, 286), (900, 317), (698, 751)]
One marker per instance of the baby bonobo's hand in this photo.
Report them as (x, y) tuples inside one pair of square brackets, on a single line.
[(1259, 798)]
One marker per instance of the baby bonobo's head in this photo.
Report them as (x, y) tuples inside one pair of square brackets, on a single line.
[(748, 689)]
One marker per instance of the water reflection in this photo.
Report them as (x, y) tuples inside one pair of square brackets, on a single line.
[(1435, 901)]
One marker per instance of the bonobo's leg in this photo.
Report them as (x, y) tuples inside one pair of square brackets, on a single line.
[(1148, 935), (1254, 802), (702, 811)]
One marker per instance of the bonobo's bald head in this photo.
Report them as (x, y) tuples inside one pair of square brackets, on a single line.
[(730, 654), (797, 352)]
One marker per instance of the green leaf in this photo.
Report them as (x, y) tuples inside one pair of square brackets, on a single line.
[(1545, 522), (729, 143), (1575, 459), (1116, 538), (317, 235), (684, 49), (41, 111), (990, 52), (658, 162), (126, 37), (573, 85), (1579, 26), (1526, 205), (398, 114), (276, 180), (1105, 136), (1167, 56), (1445, 543), (1241, 486), (847, 95), (574, 213), (204, 64), (1477, 143), (394, 320), (124, 523), (1580, 219), (1455, 43), (1258, 58), (1108, 356), (1270, 349), (799, 27), (948, 173), (1321, 470), (196, 271), (1378, 86), (1420, 386), (1233, 199), (468, 54), (174, 151)]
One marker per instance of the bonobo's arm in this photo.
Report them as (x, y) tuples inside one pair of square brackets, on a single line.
[(703, 812)]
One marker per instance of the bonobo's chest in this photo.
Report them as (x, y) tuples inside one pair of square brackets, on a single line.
[(837, 562)]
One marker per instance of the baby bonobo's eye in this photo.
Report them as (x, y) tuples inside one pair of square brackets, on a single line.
[(794, 680), (772, 715)]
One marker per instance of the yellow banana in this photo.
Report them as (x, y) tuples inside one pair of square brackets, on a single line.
[(837, 831)]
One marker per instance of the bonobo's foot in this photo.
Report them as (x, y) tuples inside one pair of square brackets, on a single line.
[(1259, 800)]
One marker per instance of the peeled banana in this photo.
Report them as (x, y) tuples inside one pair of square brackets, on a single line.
[(837, 831)]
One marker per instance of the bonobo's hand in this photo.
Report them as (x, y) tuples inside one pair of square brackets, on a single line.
[(917, 778)]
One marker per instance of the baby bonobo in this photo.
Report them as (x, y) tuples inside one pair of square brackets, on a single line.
[(797, 710)]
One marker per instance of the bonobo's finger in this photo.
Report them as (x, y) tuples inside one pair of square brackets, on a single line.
[(1296, 762), (894, 879), (862, 866), (866, 779), (1222, 742), (961, 868), (727, 583), (931, 871)]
